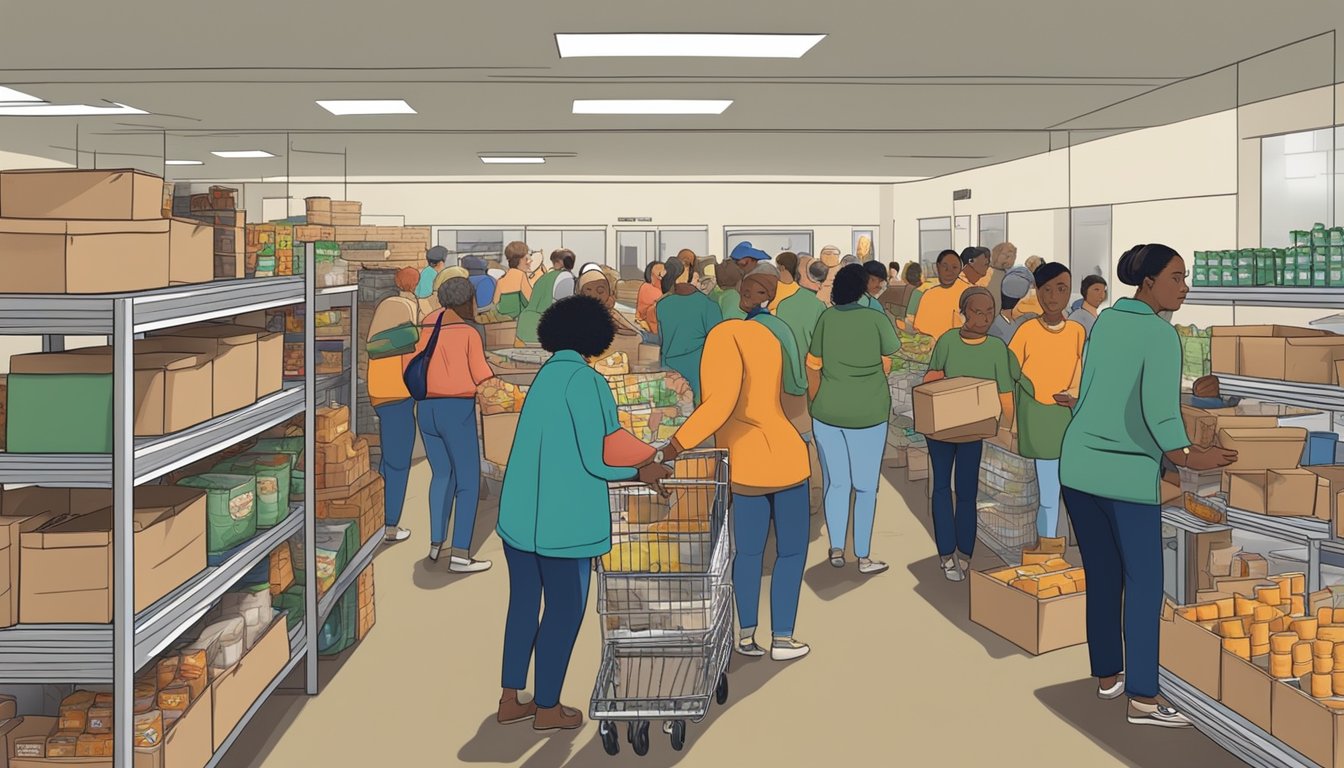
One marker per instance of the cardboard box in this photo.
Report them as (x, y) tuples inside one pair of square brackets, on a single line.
[(1277, 492), (1329, 485), (234, 352), (122, 194), (497, 431), (1263, 449), (958, 409), (331, 421), (1036, 626), (65, 573), (1204, 544), (186, 745), (43, 256), (502, 335), (270, 352), (1307, 725), (1229, 353), (918, 464), (233, 690), (1006, 439), (1310, 360), (1191, 652), (11, 530), (1248, 688), (1202, 425), (1240, 585)]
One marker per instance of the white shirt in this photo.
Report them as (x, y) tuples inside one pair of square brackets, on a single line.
[(564, 286)]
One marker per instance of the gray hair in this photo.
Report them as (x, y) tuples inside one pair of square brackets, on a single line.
[(455, 292), (971, 293), (818, 271), (766, 268), (849, 258)]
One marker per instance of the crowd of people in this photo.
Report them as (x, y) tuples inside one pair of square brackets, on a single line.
[(788, 360)]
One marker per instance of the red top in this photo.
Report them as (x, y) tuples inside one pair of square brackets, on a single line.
[(458, 366)]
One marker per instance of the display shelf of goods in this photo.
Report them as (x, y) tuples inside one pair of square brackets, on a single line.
[(1229, 730), (349, 572), (1319, 396), (901, 381), (915, 347), (1195, 351)]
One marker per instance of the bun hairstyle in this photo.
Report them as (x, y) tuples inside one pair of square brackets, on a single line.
[(1143, 262), (1047, 272), (971, 293)]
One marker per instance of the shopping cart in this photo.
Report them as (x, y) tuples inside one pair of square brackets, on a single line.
[(665, 597)]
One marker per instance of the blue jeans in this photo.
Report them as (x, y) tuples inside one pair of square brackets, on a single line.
[(851, 460), (1121, 545), (563, 584), (954, 527), (1047, 482), (448, 425), (396, 430), (751, 528)]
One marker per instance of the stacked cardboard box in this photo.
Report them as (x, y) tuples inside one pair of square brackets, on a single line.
[(229, 240), (1278, 353), (367, 615), (78, 231), (327, 212), (1039, 606)]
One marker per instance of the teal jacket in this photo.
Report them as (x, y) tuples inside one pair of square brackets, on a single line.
[(1129, 407), (555, 501), (795, 380)]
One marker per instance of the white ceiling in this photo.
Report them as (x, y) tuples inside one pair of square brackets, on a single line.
[(895, 90)]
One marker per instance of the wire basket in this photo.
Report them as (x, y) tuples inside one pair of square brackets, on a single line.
[(1006, 529)]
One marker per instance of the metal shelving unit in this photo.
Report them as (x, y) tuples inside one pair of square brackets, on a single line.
[(349, 575), (1317, 396), (1227, 729), (298, 651), (1268, 296), (101, 654)]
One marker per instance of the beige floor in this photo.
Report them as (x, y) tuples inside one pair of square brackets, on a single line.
[(898, 673)]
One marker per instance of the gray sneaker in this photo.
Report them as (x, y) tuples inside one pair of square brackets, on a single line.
[(1156, 714), (952, 570), (467, 565), (869, 567), (394, 534)]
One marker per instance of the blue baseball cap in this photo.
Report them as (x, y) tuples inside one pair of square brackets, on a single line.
[(746, 250)]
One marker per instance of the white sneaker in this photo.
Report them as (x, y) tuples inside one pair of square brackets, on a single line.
[(1157, 714), (788, 649), (748, 647), (434, 550), (1114, 692), (869, 567), (952, 570), (467, 565), (394, 534), (837, 558)]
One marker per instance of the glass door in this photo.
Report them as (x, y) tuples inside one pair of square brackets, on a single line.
[(634, 249)]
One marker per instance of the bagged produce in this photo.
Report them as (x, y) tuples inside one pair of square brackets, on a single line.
[(223, 641), (148, 730), (175, 697), (253, 604), (336, 544), (146, 697), (292, 601), (273, 473), (231, 509)]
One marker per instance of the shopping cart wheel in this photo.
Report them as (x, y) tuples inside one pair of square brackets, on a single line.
[(639, 737), (721, 691), (678, 734), (610, 741)]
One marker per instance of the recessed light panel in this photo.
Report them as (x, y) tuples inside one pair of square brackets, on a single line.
[(66, 110), (9, 95), (496, 160), (726, 46), (650, 106), (182, 162), (243, 154), (367, 107)]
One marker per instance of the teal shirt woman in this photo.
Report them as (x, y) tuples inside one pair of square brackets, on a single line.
[(543, 296), (1126, 418), (554, 510), (685, 318)]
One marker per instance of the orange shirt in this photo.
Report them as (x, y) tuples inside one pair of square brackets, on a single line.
[(513, 281), (784, 291), (1051, 359), (940, 309), (458, 366), (741, 383), (649, 294), (1029, 305)]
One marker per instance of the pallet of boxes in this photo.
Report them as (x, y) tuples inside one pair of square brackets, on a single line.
[(96, 231), (217, 208), (349, 495)]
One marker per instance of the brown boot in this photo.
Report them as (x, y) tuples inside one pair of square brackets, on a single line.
[(557, 718), (511, 710)]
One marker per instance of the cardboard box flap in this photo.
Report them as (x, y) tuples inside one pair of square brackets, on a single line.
[(60, 363), (1264, 435), (229, 335), (75, 227), (1265, 331), (954, 384), (152, 360), (154, 503), (72, 531)]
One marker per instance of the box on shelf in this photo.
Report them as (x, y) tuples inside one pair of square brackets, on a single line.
[(270, 351), (234, 352), (957, 409), (66, 569), (502, 335), (122, 194), (1313, 727), (234, 689), (62, 401), (1248, 688), (363, 504), (1036, 625), (12, 528), (1227, 352), (1264, 449), (331, 421), (1202, 425), (1276, 492), (1191, 652), (52, 256)]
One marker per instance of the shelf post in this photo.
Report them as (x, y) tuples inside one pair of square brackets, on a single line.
[(354, 359), (123, 492), (1313, 565), (312, 626)]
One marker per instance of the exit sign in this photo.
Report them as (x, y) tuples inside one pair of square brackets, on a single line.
[(634, 219)]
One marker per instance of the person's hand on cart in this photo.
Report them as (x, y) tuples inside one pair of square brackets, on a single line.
[(653, 474)]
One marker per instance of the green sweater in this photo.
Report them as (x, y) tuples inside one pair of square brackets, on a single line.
[(543, 296), (554, 501), (800, 312), (795, 381), (851, 341), (730, 301), (684, 322), (989, 360), (1129, 407)]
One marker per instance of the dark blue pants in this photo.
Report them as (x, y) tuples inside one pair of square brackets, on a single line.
[(396, 430), (448, 426), (563, 583), (1121, 545), (956, 466), (751, 527)]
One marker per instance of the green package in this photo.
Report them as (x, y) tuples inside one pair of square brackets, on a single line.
[(1200, 276), (273, 472), (230, 509)]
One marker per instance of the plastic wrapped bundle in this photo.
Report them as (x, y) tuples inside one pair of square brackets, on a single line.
[(915, 347)]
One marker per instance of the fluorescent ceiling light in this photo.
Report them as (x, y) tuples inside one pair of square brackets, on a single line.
[(8, 95), (66, 110), (512, 160), (367, 107), (243, 154), (650, 106), (182, 162), (727, 46)]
